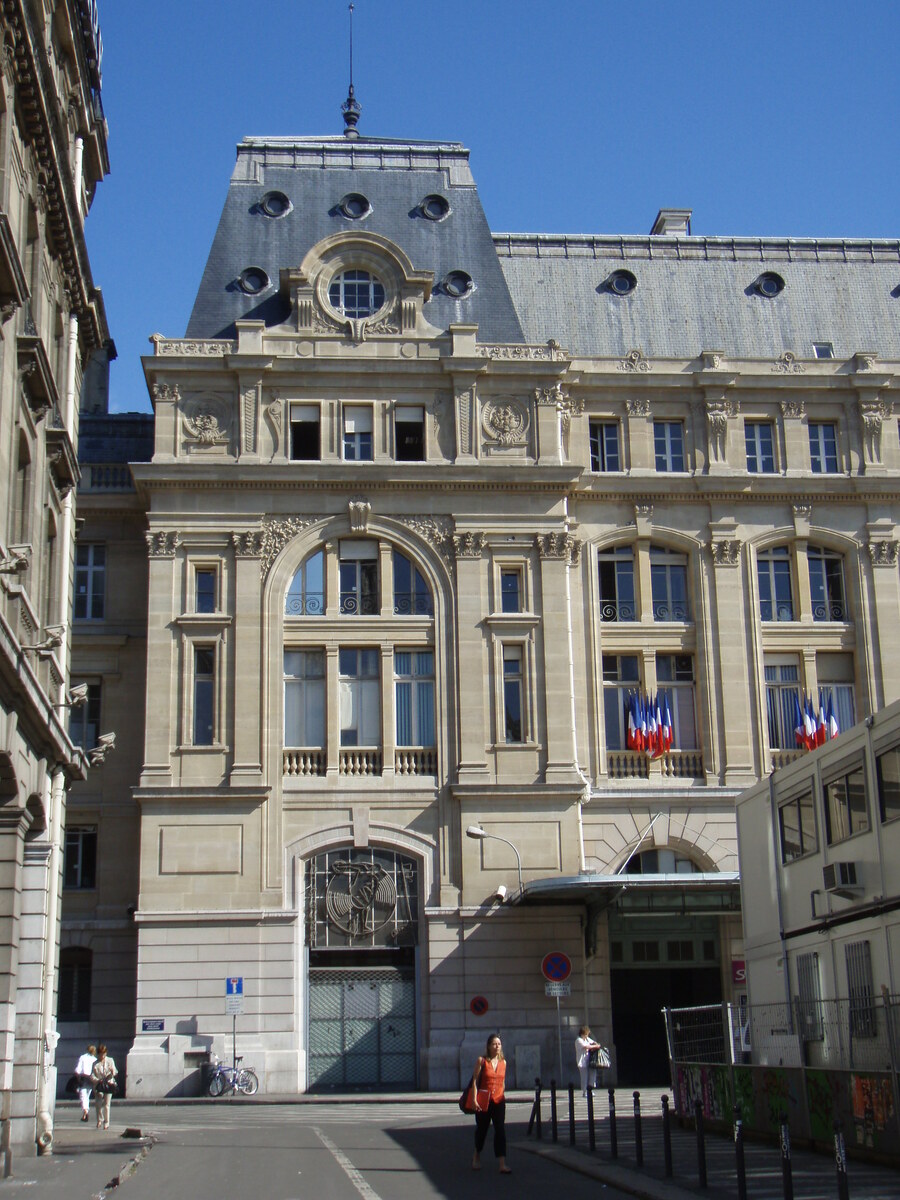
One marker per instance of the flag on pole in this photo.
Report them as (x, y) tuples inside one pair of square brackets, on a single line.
[(799, 725), (809, 724), (631, 709), (668, 727), (831, 725), (821, 733)]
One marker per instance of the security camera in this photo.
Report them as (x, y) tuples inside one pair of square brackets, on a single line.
[(500, 893)]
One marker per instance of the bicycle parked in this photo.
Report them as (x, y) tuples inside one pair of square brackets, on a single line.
[(232, 1079)]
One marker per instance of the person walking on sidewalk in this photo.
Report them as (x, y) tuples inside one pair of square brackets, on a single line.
[(103, 1074), (83, 1069), (584, 1044), (488, 1079)]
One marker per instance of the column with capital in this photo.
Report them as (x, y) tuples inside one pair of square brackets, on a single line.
[(559, 553), (730, 627), (472, 709), (164, 661), (252, 728)]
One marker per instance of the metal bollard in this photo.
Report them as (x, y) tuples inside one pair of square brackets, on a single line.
[(638, 1131), (613, 1135), (592, 1141), (534, 1121), (667, 1139), (740, 1166), (701, 1143), (571, 1114), (787, 1169), (554, 1127), (840, 1162)]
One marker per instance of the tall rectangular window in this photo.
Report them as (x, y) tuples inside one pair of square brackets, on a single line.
[(773, 575), (797, 827), (668, 585), (358, 432), (620, 678), (605, 446), (409, 433), (782, 701), (860, 989), (826, 584), (304, 698), (823, 447), (80, 857), (84, 719), (360, 697), (888, 768), (675, 677), (358, 574), (615, 570), (305, 432), (760, 443), (414, 697), (809, 993), (90, 581), (205, 590), (668, 441), (845, 806), (204, 694), (835, 672), (511, 590), (513, 693)]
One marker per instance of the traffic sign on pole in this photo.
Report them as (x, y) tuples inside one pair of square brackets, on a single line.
[(234, 996), (556, 966)]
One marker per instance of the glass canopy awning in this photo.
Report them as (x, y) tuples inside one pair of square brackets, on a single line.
[(698, 892)]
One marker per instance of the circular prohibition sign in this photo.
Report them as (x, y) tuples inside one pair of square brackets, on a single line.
[(479, 1005), (556, 966)]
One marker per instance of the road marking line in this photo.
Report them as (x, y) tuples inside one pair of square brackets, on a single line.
[(347, 1166)]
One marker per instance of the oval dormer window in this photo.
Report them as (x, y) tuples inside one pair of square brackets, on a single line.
[(355, 206), (356, 294)]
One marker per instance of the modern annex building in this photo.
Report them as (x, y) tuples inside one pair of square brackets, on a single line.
[(425, 506), (53, 153)]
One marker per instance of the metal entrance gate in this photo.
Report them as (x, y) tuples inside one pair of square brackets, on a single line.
[(362, 1028)]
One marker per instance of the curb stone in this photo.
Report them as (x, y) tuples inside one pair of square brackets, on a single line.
[(626, 1180)]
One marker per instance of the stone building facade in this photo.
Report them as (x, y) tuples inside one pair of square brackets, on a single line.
[(426, 505), (53, 153)]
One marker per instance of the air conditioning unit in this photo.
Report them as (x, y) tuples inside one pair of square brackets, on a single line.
[(840, 879)]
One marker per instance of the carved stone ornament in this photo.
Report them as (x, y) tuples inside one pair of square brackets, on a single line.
[(883, 552), (873, 414), (360, 510), (168, 393), (204, 428), (248, 544), (726, 552), (274, 412), (190, 347), (435, 531), (864, 360), (276, 533), (643, 512), (802, 512), (637, 406), (718, 413), (793, 408), (634, 361), (552, 352), (505, 421), (788, 364), (469, 545), (249, 408), (559, 545), (163, 544), (712, 359)]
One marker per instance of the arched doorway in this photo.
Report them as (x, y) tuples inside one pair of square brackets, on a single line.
[(362, 936)]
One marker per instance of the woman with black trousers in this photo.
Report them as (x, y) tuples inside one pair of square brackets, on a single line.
[(490, 1103)]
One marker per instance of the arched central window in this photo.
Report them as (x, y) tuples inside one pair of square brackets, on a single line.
[(412, 596), (306, 595), (660, 862), (356, 294)]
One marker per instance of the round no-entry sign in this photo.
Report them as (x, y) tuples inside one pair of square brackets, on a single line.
[(556, 966)]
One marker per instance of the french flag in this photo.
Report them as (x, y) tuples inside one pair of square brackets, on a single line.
[(667, 726), (799, 724), (645, 723), (652, 728), (631, 738), (821, 723), (831, 724), (809, 724)]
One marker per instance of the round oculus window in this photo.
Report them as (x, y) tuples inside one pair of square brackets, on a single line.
[(356, 294), (769, 284), (275, 204), (355, 206), (458, 284), (435, 207), (253, 280), (621, 283)]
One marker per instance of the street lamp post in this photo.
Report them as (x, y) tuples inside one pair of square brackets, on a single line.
[(479, 834)]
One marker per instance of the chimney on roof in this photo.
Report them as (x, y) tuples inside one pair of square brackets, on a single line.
[(674, 222)]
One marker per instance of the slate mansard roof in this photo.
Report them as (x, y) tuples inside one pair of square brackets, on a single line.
[(692, 293)]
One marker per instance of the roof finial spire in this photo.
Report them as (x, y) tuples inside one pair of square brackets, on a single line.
[(351, 107)]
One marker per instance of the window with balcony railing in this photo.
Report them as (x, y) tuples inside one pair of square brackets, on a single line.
[(412, 595), (306, 595), (615, 570), (826, 585), (358, 575), (774, 578), (668, 585)]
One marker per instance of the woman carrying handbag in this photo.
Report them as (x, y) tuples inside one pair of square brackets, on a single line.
[(488, 1079), (103, 1077)]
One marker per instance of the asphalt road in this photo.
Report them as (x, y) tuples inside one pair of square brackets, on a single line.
[(344, 1151)]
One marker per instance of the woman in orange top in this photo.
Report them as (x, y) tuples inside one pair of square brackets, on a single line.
[(489, 1076)]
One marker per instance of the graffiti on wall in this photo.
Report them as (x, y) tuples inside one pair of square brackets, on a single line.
[(711, 1085)]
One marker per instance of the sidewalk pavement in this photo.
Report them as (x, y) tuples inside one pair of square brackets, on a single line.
[(814, 1176)]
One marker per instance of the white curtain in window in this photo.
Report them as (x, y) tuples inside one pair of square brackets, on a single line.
[(358, 420)]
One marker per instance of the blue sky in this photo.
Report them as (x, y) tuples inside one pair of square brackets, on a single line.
[(585, 116)]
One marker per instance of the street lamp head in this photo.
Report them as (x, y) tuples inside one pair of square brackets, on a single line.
[(475, 831)]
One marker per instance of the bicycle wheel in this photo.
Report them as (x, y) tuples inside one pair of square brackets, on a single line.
[(216, 1084), (247, 1082)]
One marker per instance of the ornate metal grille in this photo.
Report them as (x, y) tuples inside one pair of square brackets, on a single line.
[(361, 898)]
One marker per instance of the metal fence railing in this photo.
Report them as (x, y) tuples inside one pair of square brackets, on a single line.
[(854, 1034)]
